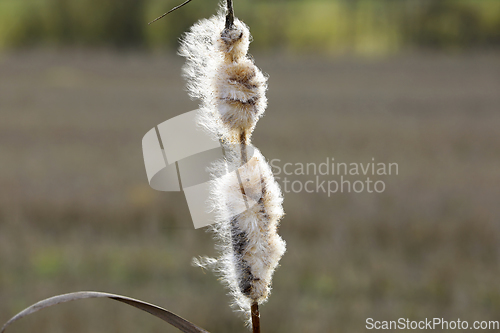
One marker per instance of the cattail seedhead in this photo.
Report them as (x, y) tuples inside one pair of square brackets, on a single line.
[(219, 72), (234, 42), (248, 203), (244, 194)]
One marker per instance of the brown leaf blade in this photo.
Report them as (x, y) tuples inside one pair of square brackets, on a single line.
[(165, 315)]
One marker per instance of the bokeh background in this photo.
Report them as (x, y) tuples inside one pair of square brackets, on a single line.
[(413, 82)]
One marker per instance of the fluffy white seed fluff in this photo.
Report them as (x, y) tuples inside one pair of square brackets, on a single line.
[(250, 245), (219, 72), (244, 194)]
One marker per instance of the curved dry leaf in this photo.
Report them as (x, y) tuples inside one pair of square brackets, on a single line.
[(165, 315)]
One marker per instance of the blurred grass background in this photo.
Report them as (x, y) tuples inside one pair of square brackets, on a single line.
[(411, 82), (328, 26)]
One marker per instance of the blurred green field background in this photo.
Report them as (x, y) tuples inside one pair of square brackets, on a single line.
[(327, 26), (411, 82)]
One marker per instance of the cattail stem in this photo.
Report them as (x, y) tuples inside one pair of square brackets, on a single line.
[(243, 147), (244, 156), (255, 318), (229, 15)]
